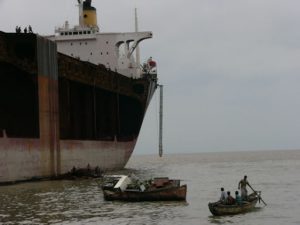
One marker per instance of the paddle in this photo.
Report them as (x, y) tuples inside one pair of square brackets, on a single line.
[(257, 195)]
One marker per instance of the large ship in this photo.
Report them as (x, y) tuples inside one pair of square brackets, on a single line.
[(76, 99)]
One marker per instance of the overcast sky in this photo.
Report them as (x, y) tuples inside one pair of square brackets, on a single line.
[(231, 68)]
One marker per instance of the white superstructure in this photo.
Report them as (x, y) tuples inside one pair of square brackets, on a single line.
[(85, 42)]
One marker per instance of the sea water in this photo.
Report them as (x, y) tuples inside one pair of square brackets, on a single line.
[(275, 173)]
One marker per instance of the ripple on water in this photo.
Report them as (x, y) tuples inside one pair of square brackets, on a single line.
[(81, 201)]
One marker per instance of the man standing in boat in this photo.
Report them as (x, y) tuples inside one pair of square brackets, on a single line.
[(243, 186)]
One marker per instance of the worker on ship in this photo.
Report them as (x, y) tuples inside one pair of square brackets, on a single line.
[(149, 65)]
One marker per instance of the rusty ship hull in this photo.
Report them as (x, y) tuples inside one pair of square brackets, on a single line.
[(57, 112)]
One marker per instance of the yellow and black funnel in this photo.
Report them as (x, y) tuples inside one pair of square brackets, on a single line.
[(89, 14)]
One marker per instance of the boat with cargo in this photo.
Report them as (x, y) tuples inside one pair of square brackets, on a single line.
[(75, 99), (132, 189)]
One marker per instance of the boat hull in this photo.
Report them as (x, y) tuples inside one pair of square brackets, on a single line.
[(218, 209), (161, 194), (57, 112), (26, 159)]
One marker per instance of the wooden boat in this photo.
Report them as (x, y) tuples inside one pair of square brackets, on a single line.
[(220, 209), (125, 188)]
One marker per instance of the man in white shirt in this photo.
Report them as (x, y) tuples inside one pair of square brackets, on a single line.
[(223, 195)]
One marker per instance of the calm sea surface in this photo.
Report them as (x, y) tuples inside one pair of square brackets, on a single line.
[(275, 173)]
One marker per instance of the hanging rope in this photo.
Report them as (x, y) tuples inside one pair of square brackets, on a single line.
[(160, 147)]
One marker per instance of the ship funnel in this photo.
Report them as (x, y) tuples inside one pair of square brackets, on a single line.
[(89, 14)]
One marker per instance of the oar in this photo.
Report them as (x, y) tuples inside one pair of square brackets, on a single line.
[(257, 195)]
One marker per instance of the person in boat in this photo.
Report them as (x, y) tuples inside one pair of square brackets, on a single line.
[(223, 195), (243, 187), (229, 200), (238, 198)]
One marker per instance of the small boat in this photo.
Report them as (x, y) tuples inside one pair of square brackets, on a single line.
[(220, 209), (125, 188)]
